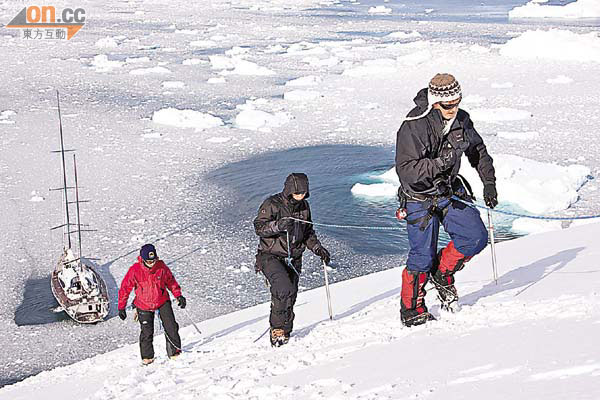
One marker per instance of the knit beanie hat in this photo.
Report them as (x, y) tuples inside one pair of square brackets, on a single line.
[(442, 87)]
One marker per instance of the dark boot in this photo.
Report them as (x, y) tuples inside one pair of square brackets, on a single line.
[(412, 305)]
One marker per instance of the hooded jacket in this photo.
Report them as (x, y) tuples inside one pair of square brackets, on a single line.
[(281, 205), (420, 140), (150, 285)]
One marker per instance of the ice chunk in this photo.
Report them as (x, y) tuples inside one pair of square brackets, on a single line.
[(403, 35), (186, 119), (255, 119), (576, 9), (101, 63), (554, 44), (380, 10)]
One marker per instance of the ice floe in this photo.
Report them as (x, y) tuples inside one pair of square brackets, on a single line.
[(554, 44), (576, 9), (101, 63), (186, 119)]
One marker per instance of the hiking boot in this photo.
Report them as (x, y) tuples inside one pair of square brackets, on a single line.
[(413, 310), (278, 337), (175, 355), (413, 317), (147, 361), (447, 292)]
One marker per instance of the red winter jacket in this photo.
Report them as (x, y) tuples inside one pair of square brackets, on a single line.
[(150, 285)]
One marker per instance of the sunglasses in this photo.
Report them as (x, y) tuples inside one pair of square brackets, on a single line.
[(300, 194), (447, 106), (150, 261)]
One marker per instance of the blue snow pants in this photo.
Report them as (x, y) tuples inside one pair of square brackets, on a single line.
[(461, 222)]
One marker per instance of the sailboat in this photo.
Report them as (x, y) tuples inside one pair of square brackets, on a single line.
[(77, 286)]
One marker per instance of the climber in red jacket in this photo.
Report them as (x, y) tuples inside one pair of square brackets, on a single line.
[(151, 278)]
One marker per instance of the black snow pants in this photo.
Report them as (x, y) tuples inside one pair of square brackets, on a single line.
[(284, 290), (170, 326)]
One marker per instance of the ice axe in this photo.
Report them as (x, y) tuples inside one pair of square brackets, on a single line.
[(327, 290)]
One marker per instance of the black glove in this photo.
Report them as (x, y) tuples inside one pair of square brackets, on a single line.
[(447, 158), (490, 195), (285, 225), (441, 187), (322, 252), (122, 314), (181, 301)]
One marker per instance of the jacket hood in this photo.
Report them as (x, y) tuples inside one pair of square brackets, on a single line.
[(296, 183), (422, 104)]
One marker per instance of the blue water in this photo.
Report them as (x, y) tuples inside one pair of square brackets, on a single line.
[(332, 171)]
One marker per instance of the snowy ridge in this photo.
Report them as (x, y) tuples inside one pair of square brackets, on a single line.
[(528, 335)]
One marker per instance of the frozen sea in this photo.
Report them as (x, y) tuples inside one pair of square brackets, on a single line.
[(192, 185)]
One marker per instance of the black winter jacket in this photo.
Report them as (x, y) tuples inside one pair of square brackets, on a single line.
[(420, 141), (281, 205)]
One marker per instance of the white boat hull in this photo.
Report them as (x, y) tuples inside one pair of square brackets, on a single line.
[(80, 290)]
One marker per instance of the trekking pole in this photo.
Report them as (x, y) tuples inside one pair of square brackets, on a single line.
[(327, 290), (192, 321), (493, 246)]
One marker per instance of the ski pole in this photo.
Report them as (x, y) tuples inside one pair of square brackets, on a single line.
[(327, 290), (493, 246), (192, 321)]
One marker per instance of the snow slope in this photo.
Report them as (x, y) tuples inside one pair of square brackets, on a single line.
[(530, 335)]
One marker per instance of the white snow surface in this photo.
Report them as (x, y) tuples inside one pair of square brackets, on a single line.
[(576, 9), (554, 44), (310, 80), (150, 71), (527, 335), (301, 95)]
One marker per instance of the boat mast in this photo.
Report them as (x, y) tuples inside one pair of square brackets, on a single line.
[(77, 203), (62, 152)]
